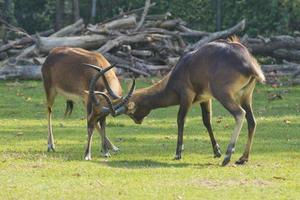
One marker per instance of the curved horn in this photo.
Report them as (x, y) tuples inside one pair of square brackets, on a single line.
[(94, 80), (119, 108), (99, 69), (127, 97), (109, 90), (110, 108)]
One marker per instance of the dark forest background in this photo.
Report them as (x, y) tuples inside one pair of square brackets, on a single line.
[(263, 17)]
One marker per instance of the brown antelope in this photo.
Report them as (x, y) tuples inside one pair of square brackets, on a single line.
[(64, 73), (224, 70)]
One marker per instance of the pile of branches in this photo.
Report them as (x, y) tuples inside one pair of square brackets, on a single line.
[(284, 49), (136, 42)]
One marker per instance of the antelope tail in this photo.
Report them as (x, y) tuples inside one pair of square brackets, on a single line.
[(257, 71), (69, 108)]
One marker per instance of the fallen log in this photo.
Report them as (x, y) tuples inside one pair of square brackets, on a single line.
[(171, 24), (124, 64), (70, 30), (25, 40), (125, 39), (221, 34), (128, 22), (287, 54), (15, 70), (141, 53), (45, 44), (159, 16), (3, 55), (286, 68), (266, 46), (29, 51), (187, 32), (275, 72)]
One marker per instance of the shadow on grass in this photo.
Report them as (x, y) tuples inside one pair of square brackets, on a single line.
[(148, 163), (33, 155)]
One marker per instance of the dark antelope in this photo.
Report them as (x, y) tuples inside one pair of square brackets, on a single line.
[(64, 72), (224, 70)]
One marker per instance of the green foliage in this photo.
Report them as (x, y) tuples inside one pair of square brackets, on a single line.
[(197, 13), (144, 168), (263, 17), (35, 16)]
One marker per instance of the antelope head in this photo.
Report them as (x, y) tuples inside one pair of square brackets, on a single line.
[(115, 107)]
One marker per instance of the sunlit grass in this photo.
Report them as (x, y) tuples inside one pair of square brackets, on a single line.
[(144, 168)]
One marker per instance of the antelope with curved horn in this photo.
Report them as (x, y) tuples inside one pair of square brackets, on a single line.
[(224, 70), (72, 71)]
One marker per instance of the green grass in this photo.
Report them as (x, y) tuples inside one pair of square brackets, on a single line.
[(144, 168)]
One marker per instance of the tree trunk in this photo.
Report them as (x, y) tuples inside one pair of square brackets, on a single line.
[(46, 44), (93, 11), (60, 7), (218, 15), (7, 17), (76, 12)]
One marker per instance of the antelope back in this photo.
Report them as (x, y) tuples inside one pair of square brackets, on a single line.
[(64, 72)]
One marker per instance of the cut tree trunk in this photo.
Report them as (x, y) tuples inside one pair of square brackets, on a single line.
[(20, 71), (125, 39), (266, 46), (123, 23), (221, 34), (70, 30), (124, 64), (287, 54), (24, 41), (46, 44)]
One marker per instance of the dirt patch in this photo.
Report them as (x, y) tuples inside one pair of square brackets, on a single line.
[(38, 165)]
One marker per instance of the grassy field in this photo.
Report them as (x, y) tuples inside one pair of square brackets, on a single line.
[(144, 168)]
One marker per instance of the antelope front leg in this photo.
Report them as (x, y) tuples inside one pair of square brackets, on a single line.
[(106, 144), (90, 131), (183, 109)]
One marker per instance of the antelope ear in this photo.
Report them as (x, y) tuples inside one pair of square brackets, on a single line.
[(131, 107)]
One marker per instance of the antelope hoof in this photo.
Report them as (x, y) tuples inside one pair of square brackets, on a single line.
[(182, 147), (177, 157), (51, 148), (88, 157), (106, 155), (241, 161), (115, 149), (217, 151), (226, 160)]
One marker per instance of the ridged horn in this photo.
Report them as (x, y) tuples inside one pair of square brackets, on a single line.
[(119, 108)]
